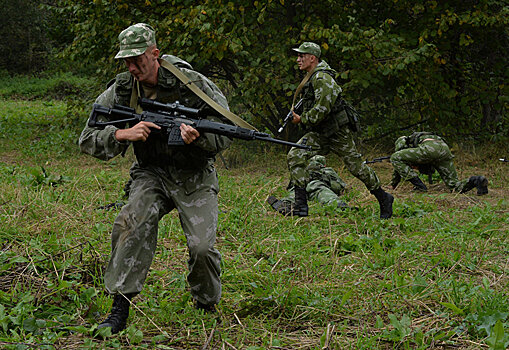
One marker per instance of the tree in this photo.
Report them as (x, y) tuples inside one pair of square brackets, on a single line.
[(24, 44), (426, 64)]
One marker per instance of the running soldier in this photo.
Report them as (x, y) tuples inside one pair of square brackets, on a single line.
[(327, 127)]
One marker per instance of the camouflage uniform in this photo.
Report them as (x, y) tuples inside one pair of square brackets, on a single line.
[(163, 178), (424, 148), (326, 125), (324, 185)]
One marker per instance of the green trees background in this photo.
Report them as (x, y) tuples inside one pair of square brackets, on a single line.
[(406, 65)]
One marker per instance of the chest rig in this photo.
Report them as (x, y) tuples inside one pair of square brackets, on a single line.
[(336, 118)]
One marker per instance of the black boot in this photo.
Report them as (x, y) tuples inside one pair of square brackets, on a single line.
[(118, 315), (476, 181), (282, 207), (300, 208), (418, 184), (385, 200)]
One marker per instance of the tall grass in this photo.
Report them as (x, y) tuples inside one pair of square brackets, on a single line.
[(435, 275)]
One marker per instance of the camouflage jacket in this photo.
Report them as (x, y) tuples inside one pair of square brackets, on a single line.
[(322, 108), (320, 175), (102, 144), (318, 171), (414, 140)]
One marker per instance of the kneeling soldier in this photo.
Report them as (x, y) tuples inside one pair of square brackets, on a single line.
[(426, 148)]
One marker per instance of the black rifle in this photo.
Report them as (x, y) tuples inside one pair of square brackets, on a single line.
[(170, 116), (376, 160), (425, 169), (289, 116)]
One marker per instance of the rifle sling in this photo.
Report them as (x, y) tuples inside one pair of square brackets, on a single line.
[(301, 85), (135, 93), (220, 109)]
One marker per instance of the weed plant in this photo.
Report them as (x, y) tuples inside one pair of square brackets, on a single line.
[(433, 276)]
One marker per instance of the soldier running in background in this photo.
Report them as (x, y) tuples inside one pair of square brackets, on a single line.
[(328, 128)]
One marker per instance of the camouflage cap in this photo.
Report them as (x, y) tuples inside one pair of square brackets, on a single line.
[(309, 47), (135, 40)]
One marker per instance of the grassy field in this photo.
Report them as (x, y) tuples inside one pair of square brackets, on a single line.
[(433, 276)]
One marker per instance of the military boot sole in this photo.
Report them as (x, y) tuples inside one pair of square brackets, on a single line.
[(420, 189), (282, 207), (115, 327)]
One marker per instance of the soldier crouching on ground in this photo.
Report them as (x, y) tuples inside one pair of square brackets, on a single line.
[(163, 177), (325, 186), (426, 148)]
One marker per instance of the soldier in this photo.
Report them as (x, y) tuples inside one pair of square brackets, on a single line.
[(324, 186), (429, 149), (163, 177), (327, 129)]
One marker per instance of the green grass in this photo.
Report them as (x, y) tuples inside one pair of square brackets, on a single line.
[(435, 275), (47, 87)]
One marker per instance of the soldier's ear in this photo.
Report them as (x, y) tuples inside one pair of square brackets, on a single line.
[(154, 52)]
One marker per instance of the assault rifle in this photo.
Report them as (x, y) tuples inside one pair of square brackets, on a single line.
[(170, 116), (425, 169), (289, 116)]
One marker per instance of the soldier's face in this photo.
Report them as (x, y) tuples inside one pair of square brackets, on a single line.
[(304, 60), (144, 67)]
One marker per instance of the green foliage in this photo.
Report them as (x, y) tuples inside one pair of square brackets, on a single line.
[(24, 44), (41, 177), (435, 65), (26, 121), (46, 87)]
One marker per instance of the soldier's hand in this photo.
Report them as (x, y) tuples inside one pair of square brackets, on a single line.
[(188, 133), (139, 132), (296, 118)]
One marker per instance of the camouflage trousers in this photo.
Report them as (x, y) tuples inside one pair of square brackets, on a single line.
[(343, 144), (316, 191), (433, 152), (154, 192)]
